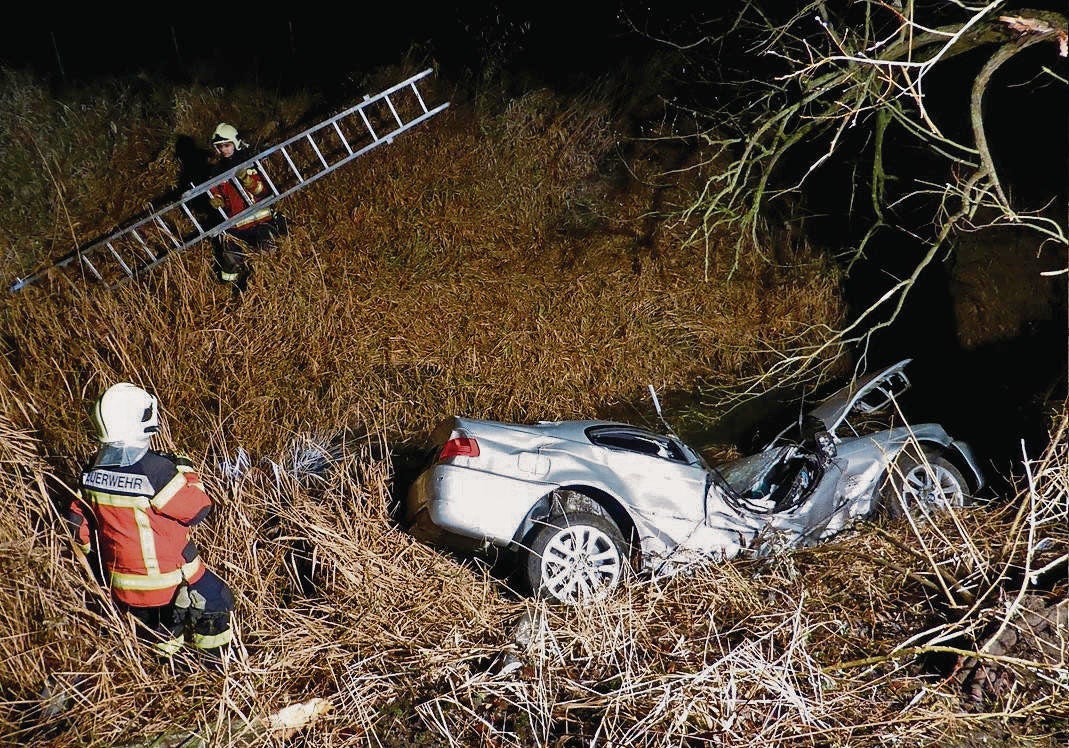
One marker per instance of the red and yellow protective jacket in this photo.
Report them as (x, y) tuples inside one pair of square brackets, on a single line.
[(233, 201), (142, 514)]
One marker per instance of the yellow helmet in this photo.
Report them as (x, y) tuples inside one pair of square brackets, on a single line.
[(126, 414), (226, 133)]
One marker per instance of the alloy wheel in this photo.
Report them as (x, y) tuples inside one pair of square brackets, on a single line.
[(580, 563)]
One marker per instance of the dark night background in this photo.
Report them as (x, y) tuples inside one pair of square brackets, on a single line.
[(565, 47), (559, 42)]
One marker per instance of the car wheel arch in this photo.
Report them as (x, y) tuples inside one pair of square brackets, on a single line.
[(580, 498), (926, 483), (951, 452), (933, 437)]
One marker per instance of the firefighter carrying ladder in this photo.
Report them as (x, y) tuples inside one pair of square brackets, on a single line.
[(135, 250)]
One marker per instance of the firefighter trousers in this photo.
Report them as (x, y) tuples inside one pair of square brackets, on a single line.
[(232, 249), (199, 614)]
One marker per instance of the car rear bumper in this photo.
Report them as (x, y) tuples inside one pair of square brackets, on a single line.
[(472, 503)]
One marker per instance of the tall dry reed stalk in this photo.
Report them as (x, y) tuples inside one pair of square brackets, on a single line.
[(482, 265)]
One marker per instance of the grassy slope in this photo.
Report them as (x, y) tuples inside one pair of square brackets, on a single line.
[(500, 262)]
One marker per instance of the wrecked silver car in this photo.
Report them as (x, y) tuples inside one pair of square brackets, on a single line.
[(585, 502)]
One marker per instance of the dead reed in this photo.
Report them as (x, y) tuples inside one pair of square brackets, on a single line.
[(487, 265)]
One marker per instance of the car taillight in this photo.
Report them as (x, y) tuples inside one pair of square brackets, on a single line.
[(459, 446)]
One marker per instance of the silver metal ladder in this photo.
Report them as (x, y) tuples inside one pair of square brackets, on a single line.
[(135, 250)]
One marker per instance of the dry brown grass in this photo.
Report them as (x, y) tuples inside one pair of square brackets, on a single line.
[(479, 265)]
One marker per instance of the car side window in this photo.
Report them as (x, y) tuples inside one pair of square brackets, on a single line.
[(642, 443)]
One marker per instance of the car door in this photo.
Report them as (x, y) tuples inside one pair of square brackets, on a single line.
[(661, 480)]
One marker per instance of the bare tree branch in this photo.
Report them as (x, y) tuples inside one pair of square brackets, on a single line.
[(869, 74)]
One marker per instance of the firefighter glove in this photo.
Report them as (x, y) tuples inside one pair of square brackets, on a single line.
[(182, 600), (248, 180), (217, 202)]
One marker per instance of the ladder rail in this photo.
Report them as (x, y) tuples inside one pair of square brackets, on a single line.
[(266, 202), (302, 136), (155, 219)]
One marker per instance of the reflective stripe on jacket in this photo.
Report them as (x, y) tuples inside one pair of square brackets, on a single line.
[(142, 513)]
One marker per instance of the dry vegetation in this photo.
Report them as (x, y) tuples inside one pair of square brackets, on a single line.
[(495, 262)]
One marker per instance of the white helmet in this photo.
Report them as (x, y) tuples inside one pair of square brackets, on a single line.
[(225, 133), (126, 414)]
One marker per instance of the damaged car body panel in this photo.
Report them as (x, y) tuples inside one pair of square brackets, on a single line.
[(581, 500), (869, 394)]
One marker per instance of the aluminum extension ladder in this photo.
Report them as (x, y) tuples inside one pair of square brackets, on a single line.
[(135, 250)]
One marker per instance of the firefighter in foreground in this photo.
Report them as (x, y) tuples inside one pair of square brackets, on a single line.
[(136, 506), (259, 229)]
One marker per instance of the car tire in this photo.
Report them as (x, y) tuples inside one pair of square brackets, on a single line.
[(929, 483), (575, 557)]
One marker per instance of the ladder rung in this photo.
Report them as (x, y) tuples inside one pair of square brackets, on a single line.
[(394, 111), (249, 199), (341, 137), (166, 230), (85, 261), (117, 256), (316, 149), (418, 97), (265, 175), (144, 244), (367, 124), (192, 218), (293, 166)]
